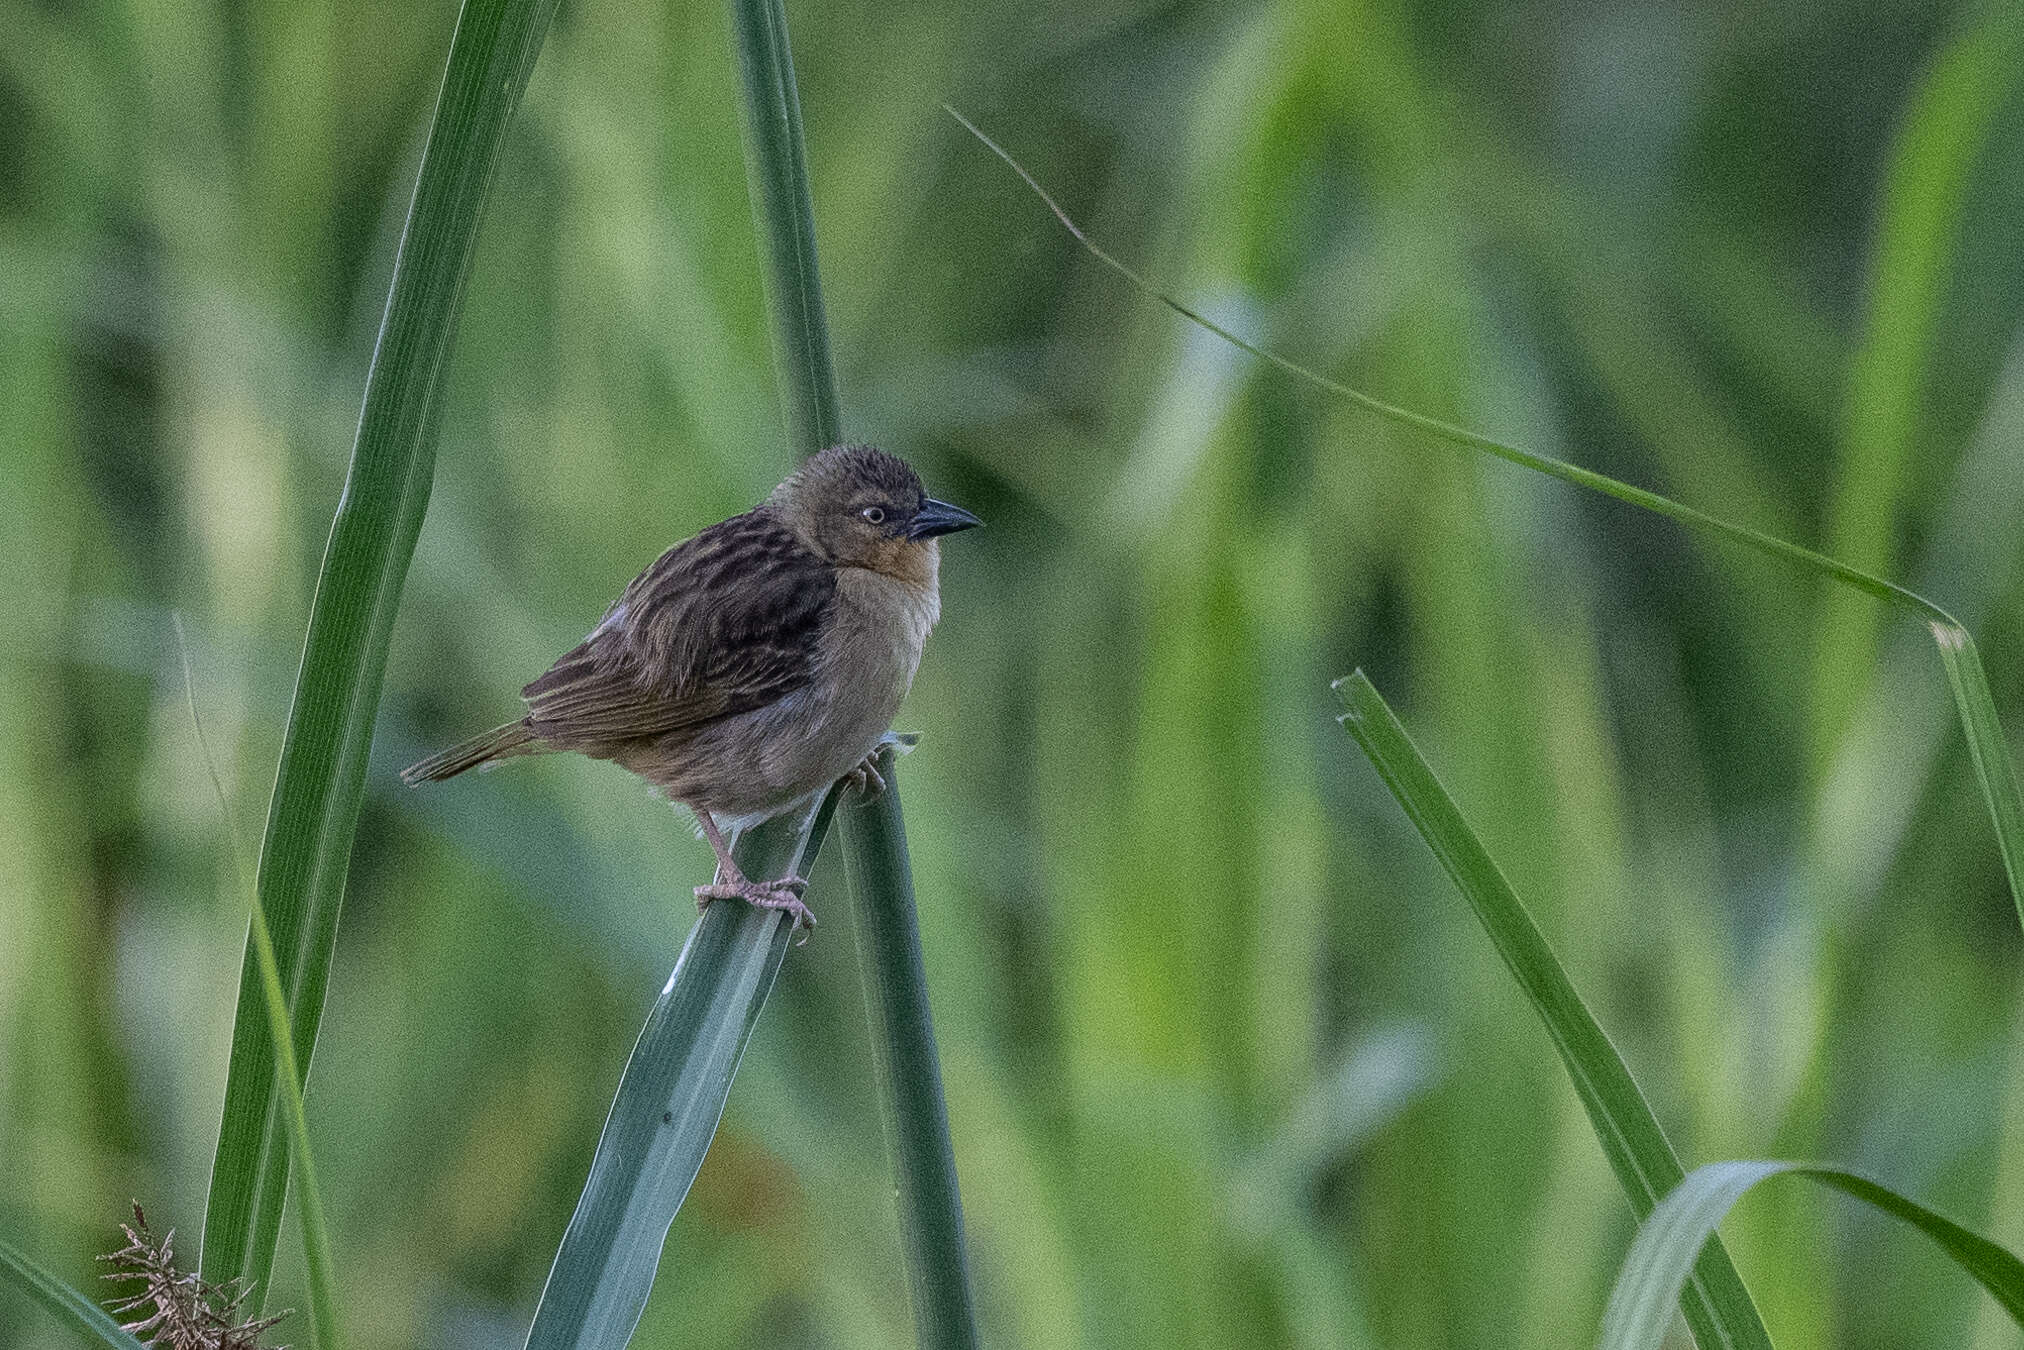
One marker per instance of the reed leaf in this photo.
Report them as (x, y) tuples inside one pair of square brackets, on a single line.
[(317, 789), (669, 1101), (64, 1303), (895, 988), (1995, 771), (1712, 1295), (909, 1073), (1640, 1307)]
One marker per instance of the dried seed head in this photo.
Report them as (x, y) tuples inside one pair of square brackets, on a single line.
[(177, 1310)]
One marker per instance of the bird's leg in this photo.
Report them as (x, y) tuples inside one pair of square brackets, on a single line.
[(732, 883), (866, 777)]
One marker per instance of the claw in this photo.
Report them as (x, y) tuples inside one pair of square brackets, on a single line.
[(866, 777), (784, 894)]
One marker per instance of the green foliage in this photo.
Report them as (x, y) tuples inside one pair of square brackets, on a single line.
[(315, 1233), (909, 1072), (1640, 1308), (669, 1101), (1716, 1304), (64, 1303), (1162, 910), (317, 790), (915, 1118), (1970, 683)]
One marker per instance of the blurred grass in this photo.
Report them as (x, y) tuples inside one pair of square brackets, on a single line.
[(1640, 234)]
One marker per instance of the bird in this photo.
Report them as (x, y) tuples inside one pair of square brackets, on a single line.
[(755, 664)]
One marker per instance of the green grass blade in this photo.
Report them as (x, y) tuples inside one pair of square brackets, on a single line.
[(909, 1074), (66, 1304), (776, 168), (1716, 1304), (315, 1232), (915, 1116), (1984, 734), (669, 1101), (1640, 1307), (314, 810)]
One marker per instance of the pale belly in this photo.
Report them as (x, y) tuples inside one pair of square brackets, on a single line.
[(754, 765)]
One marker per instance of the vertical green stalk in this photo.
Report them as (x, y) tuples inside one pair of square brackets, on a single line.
[(909, 1074), (314, 811), (874, 837), (776, 169)]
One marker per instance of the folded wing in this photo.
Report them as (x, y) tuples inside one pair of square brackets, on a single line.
[(722, 623)]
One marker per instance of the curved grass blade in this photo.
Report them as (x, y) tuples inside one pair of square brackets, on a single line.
[(64, 1303), (1640, 1307), (915, 1116), (315, 1233), (669, 1101), (1995, 770), (1713, 1298), (909, 1073), (317, 789)]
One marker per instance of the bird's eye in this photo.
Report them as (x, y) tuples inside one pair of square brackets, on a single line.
[(875, 514)]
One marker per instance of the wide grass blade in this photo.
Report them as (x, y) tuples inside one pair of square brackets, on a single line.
[(1995, 770), (66, 1304), (1640, 1307), (909, 1074), (314, 810), (669, 1101), (1716, 1304), (915, 1117)]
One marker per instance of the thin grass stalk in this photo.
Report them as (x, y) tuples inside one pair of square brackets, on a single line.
[(669, 1101), (1995, 770), (1717, 1305), (64, 1303), (910, 1090), (314, 811), (909, 1072), (1640, 1307), (309, 1194)]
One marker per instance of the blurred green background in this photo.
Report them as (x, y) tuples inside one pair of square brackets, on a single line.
[(1228, 1061)]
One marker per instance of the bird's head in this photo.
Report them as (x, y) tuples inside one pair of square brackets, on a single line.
[(858, 506)]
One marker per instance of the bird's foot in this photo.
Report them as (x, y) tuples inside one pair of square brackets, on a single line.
[(784, 894), (866, 777)]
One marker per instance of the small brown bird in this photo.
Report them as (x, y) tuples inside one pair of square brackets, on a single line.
[(752, 666)]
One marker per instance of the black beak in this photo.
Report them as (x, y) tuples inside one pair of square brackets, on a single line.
[(937, 518)]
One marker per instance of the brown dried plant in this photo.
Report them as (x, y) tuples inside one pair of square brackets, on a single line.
[(179, 1311)]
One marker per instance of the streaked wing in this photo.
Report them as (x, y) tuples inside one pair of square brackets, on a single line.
[(719, 624)]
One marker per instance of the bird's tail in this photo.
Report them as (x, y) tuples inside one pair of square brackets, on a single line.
[(499, 743)]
